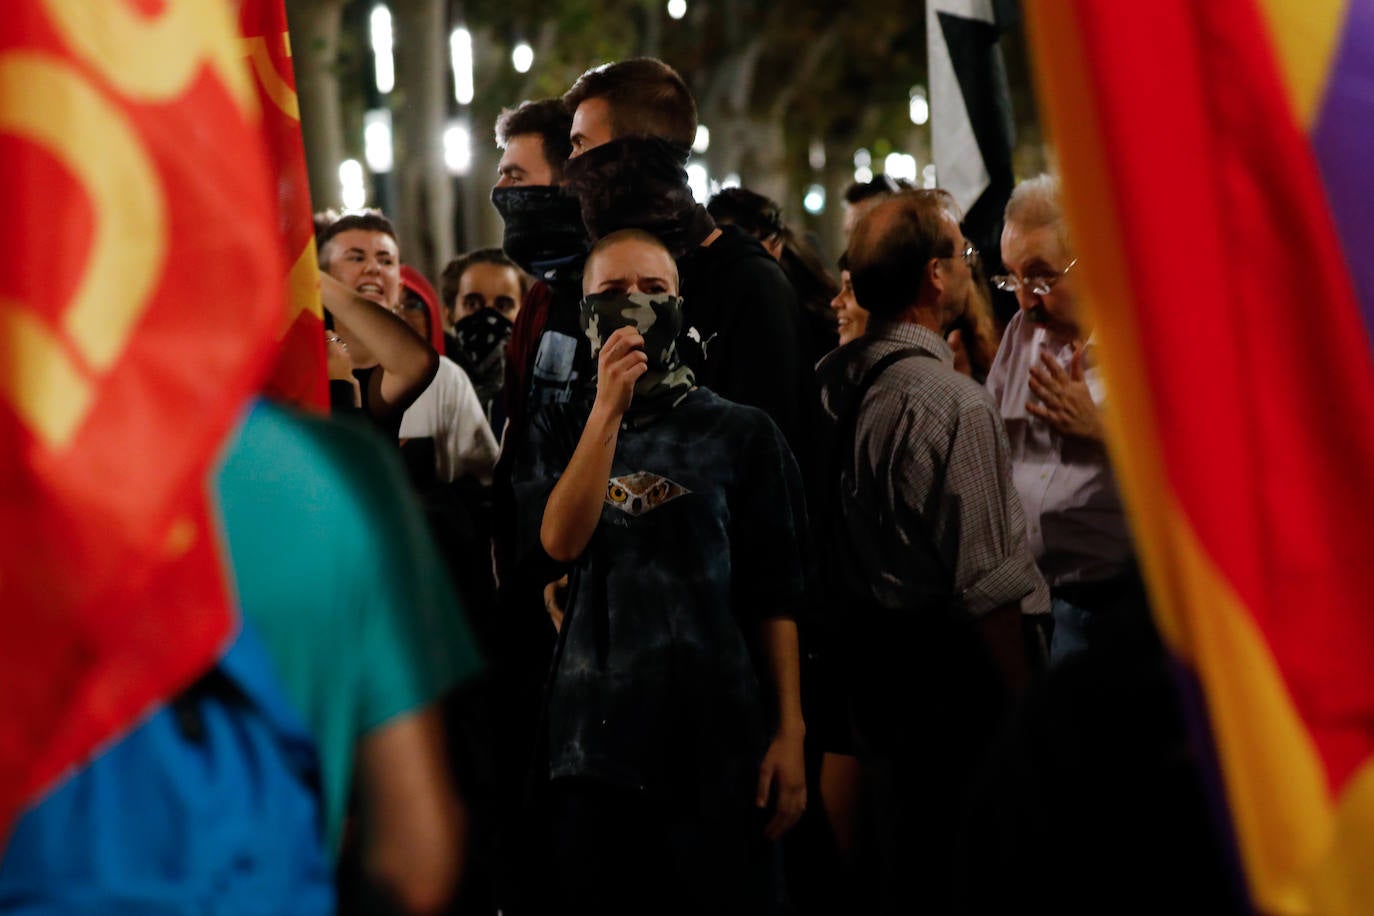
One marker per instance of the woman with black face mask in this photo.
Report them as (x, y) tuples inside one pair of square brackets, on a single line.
[(672, 730)]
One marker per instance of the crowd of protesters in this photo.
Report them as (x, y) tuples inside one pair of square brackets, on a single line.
[(795, 589)]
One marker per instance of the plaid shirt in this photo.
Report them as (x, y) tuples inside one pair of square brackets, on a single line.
[(927, 501)]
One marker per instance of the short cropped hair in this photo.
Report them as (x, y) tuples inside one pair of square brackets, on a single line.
[(368, 220), (646, 97), (756, 214), (882, 185), (546, 117), (629, 235), (1034, 203), (891, 247), (454, 270)]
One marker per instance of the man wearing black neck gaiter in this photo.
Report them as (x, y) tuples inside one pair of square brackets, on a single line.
[(633, 126), (547, 360)]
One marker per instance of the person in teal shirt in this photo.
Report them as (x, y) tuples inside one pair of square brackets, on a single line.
[(335, 569)]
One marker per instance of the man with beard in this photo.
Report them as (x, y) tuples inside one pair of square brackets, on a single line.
[(633, 125), (1049, 393), (673, 727)]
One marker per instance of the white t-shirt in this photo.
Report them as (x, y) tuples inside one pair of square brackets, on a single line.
[(448, 412)]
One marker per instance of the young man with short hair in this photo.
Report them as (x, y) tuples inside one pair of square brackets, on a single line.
[(633, 124), (360, 282)]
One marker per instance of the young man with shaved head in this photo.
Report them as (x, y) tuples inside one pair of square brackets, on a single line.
[(673, 715)]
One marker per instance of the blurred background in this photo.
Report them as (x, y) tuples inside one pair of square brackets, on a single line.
[(796, 101)]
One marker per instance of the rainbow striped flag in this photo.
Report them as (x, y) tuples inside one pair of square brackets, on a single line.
[(1216, 166)]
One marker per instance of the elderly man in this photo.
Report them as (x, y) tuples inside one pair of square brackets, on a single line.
[(931, 571), (672, 761), (1049, 395)]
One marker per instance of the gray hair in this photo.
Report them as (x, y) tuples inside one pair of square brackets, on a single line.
[(1035, 203)]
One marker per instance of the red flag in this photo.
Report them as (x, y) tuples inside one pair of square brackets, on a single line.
[(138, 315), (299, 375), (1220, 205)]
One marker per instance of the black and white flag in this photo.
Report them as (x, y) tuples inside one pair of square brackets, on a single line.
[(970, 108)]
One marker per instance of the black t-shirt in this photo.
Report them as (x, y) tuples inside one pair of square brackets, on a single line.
[(563, 364), (655, 685), (389, 426), (740, 333)]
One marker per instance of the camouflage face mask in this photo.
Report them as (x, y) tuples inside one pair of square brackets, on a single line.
[(658, 318)]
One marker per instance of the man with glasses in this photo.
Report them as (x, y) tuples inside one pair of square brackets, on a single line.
[(929, 571), (1049, 394)]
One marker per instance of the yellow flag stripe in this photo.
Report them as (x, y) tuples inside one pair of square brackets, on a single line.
[(1305, 37), (1272, 772)]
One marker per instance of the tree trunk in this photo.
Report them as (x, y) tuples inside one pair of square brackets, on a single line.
[(314, 26), (424, 199), (481, 224)]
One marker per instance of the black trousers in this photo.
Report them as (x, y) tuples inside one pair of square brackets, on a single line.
[(615, 851), (927, 703)]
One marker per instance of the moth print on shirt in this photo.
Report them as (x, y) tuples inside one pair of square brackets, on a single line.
[(640, 493)]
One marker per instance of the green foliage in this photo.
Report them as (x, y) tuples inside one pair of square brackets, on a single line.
[(855, 92)]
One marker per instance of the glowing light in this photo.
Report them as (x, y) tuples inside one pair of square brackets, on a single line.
[(522, 57), (377, 148), (381, 49), (814, 201), (353, 192), (816, 155), (920, 105), (862, 158), (703, 139), (460, 50), (900, 165), (677, 8), (457, 149), (699, 182), (863, 174), (928, 176), (730, 181)]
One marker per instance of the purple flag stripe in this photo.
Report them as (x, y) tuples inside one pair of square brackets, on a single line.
[(1343, 142)]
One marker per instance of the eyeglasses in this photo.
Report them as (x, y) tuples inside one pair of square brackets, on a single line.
[(968, 253), (1040, 284)]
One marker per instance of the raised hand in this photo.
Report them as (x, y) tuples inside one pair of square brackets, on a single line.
[(620, 364), (1065, 401)]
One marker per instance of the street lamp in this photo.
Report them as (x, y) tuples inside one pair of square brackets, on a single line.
[(522, 57), (377, 148), (381, 49), (920, 106), (457, 149), (460, 50), (353, 192)]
